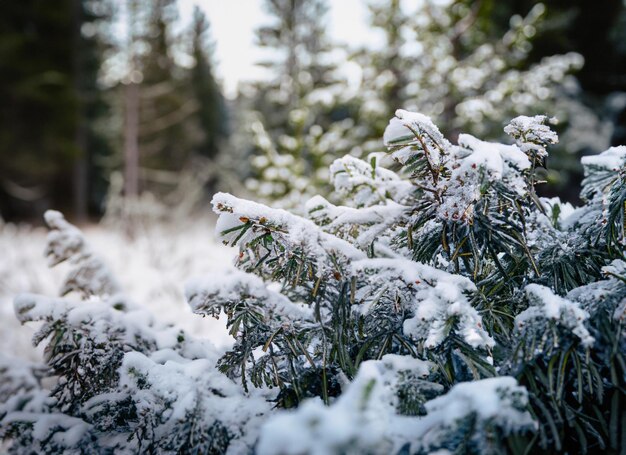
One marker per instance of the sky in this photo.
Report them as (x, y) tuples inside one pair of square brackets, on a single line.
[(233, 24)]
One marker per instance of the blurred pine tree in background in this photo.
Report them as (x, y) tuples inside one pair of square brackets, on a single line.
[(50, 55)]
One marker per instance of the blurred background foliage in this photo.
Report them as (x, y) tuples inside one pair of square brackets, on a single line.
[(108, 101)]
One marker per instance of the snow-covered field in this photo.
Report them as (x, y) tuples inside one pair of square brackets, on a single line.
[(152, 267)]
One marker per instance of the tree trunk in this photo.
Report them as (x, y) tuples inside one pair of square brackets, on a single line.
[(131, 141)]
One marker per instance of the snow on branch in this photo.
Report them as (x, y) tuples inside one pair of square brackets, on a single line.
[(416, 130), (229, 290), (89, 275), (457, 177), (604, 296), (364, 418), (436, 301), (184, 401), (493, 404), (532, 134), (546, 307), (363, 226), (268, 234), (365, 184)]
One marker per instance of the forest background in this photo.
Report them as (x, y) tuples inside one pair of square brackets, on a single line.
[(109, 101)]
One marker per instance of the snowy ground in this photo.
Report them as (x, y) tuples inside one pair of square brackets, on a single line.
[(153, 268)]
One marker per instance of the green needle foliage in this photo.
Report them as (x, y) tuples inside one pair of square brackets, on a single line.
[(443, 306), (453, 260)]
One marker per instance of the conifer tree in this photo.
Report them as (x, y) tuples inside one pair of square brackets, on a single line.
[(448, 60), (174, 116), (470, 64), (164, 106), (455, 262), (296, 115), (386, 69), (297, 34), (211, 104), (442, 307), (442, 58), (50, 55)]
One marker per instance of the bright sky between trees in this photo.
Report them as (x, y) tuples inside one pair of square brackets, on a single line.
[(233, 25)]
